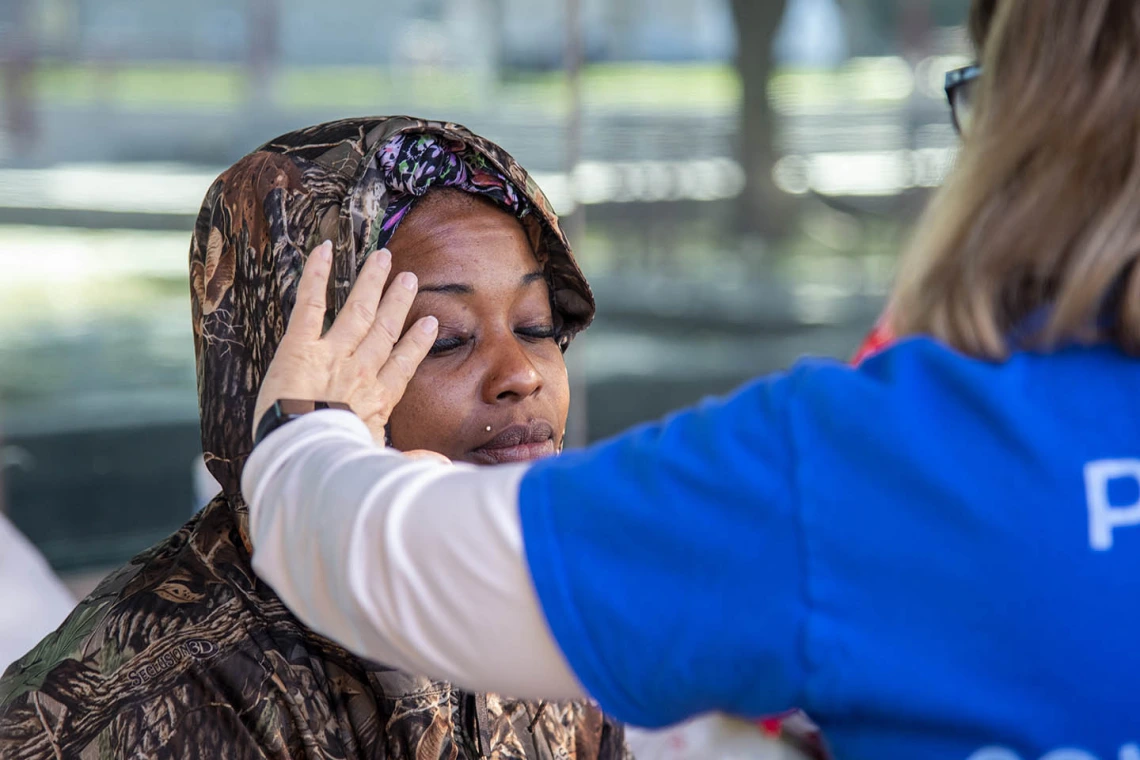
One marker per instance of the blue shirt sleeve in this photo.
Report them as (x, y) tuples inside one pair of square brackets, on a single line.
[(645, 553)]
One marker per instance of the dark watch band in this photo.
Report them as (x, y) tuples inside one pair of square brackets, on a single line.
[(288, 409)]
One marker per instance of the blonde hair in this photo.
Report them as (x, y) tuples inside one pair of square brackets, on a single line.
[(1037, 229)]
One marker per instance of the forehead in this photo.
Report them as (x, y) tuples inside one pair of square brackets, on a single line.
[(462, 241)]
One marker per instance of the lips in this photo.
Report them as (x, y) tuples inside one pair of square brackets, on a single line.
[(518, 443)]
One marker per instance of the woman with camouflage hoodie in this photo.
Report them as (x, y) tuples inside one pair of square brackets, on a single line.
[(185, 653)]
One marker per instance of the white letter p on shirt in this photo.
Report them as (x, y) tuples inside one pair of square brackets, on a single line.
[(1103, 517)]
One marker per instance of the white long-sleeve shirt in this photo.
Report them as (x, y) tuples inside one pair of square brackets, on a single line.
[(323, 563), (481, 628)]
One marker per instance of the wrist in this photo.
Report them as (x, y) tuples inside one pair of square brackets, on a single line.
[(283, 411)]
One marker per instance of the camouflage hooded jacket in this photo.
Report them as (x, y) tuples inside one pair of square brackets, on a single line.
[(185, 653)]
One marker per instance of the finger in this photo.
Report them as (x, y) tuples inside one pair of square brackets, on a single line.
[(425, 454), (308, 317), (405, 359), (391, 315), (359, 312)]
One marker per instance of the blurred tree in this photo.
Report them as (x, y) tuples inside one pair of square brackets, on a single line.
[(941, 12), (882, 27), (262, 32), (764, 209), (18, 58)]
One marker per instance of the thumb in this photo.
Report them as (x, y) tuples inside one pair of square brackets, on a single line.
[(425, 454)]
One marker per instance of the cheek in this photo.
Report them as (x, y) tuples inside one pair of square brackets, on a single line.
[(429, 413), (557, 383)]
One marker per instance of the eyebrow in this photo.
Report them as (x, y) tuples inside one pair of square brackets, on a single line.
[(450, 288), (463, 289)]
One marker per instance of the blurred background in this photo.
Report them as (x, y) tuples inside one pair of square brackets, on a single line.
[(737, 175)]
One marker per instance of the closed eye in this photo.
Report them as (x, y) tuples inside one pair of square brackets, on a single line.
[(540, 332), (444, 345)]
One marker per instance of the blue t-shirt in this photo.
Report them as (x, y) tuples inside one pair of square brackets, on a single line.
[(935, 557)]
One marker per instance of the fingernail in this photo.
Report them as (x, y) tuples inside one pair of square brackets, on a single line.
[(326, 250), (408, 280), (384, 257), (429, 324)]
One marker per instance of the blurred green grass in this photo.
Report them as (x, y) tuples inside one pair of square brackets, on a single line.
[(697, 87)]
